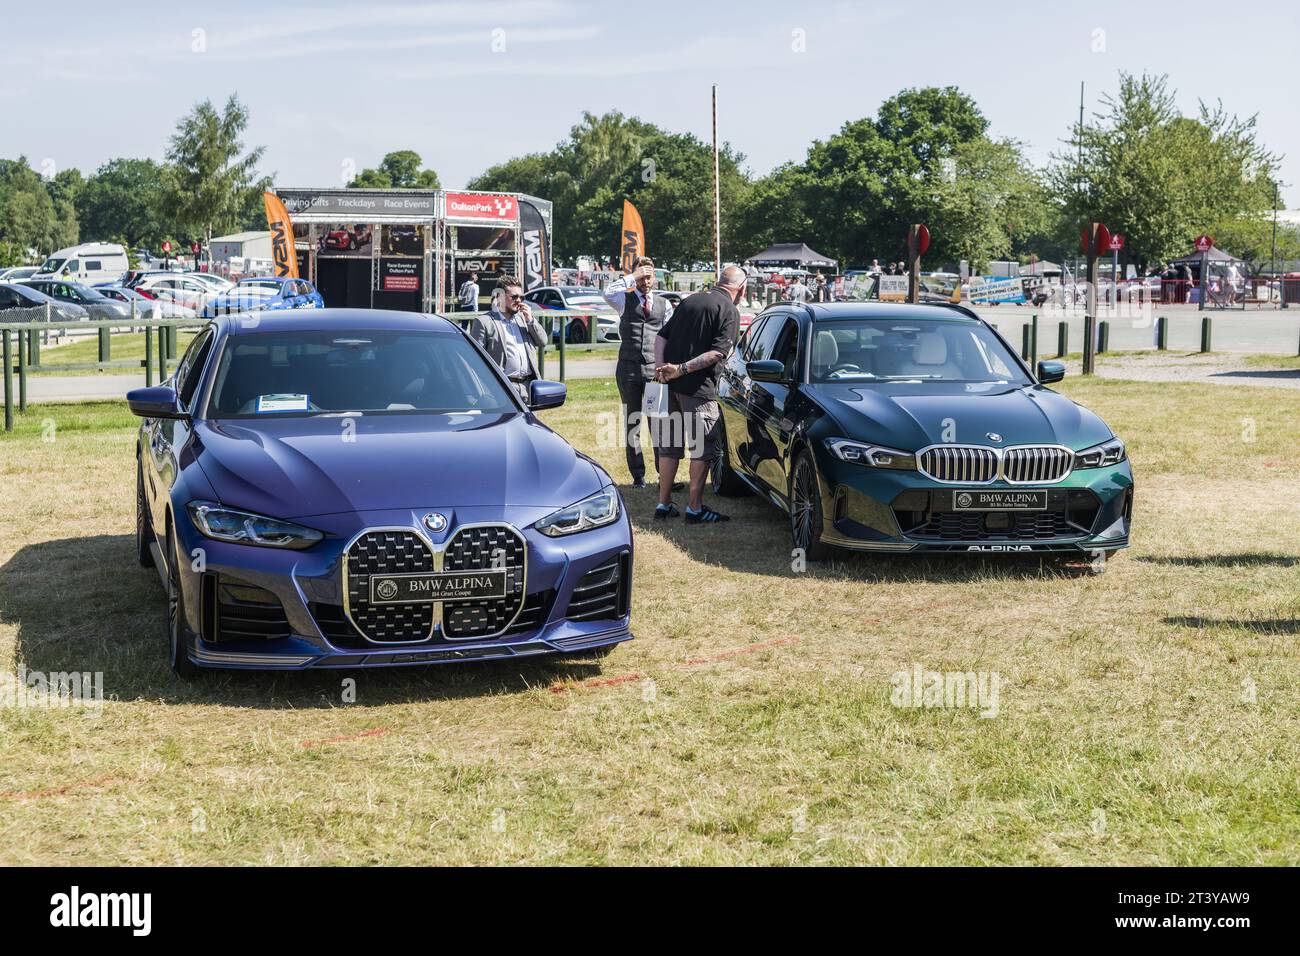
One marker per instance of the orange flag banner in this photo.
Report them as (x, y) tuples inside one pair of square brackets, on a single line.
[(633, 237), (282, 249)]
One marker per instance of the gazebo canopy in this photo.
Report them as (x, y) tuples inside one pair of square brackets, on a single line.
[(1217, 255), (794, 255)]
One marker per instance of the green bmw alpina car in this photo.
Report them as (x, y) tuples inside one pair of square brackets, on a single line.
[(916, 428)]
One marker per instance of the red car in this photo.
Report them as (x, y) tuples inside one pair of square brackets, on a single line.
[(345, 238)]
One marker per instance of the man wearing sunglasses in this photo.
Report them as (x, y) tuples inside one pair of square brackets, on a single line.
[(508, 332)]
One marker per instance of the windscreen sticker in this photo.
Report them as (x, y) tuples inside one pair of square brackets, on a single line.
[(282, 403)]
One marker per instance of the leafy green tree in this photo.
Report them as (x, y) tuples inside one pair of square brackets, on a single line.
[(30, 220), (125, 198), (209, 181), (1161, 178), (397, 170)]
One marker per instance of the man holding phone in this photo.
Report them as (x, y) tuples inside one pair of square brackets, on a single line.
[(641, 315), (508, 332)]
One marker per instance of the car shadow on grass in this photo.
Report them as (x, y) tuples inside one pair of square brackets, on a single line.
[(85, 605), (1275, 626), (757, 541)]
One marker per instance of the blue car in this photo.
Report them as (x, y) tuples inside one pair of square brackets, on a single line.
[(263, 293), (358, 488)]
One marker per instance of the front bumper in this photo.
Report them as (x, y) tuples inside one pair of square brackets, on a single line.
[(877, 509), (292, 602)]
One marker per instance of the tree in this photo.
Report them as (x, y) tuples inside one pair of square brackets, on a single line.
[(398, 170), (30, 220), (1161, 178), (208, 184), (124, 198)]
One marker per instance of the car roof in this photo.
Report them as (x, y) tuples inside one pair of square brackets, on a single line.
[(330, 320), (832, 311)]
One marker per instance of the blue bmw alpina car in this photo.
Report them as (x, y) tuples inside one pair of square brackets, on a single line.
[(347, 488)]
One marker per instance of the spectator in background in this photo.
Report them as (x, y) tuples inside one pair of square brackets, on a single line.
[(641, 315), (467, 297), (508, 333), (689, 352), (797, 292), (875, 267)]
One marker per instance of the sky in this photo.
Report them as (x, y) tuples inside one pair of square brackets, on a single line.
[(332, 86)]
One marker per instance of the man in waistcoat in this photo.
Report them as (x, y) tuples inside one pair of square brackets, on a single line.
[(641, 315)]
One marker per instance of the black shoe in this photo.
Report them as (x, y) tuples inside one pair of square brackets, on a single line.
[(705, 515), (666, 511), (639, 483)]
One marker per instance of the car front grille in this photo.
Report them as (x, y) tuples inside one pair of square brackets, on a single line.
[(959, 463), (961, 526), (489, 547), (1036, 464), (1070, 513), (982, 465), (388, 552), (472, 548)]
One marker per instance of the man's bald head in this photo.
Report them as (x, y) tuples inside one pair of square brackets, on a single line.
[(733, 277)]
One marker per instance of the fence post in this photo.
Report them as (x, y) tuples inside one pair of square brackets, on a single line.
[(34, 347), (105, 348), (162, 354), (1103, 336), (148, 356), (1162, 333), (9, 381), (1033, 342), (591, 329), (1062, 339), (564, 334), (1205, 334), (22, 372), (1024, 342)]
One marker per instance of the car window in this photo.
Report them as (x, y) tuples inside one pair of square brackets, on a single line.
[(750, 337), (364, 371), (187, 373), (786, 349), (8, 299), (766, 340)]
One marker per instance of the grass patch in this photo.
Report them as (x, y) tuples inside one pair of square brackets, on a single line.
[(1273, 361), (1147, 715)]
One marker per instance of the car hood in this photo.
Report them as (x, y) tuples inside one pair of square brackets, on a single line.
[(904, 417), (299, 467)]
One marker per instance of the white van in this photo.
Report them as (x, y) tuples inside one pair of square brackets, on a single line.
[(88, 263)]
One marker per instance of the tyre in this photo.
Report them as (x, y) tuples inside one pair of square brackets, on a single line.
[(576, 333), (176, 652), (143, 527), (722, 478), (806, 509)]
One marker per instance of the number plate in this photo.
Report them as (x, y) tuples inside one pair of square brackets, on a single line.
[(999, 501), (443, 586)]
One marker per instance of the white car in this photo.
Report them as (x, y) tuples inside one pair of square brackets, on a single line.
[(577, 299), (180, 289)]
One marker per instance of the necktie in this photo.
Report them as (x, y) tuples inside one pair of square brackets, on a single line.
[(645, 306)]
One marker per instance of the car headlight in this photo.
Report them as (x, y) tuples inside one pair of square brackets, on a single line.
[(594, 512), (874, 456), (1099, 456), (242, 527)]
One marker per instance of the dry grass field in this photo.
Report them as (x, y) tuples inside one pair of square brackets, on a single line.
[(1149, 715)]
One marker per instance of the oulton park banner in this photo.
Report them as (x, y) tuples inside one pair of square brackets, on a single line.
[(480, 206)]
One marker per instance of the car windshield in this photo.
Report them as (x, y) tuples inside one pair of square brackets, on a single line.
[(52, 264), (911, 350), (356, 372), (256, 288)]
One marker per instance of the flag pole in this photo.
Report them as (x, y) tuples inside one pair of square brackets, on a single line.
[(717, 194)]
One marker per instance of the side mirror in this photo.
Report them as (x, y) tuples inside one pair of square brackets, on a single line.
[(765, 370), (157, 401), (1049, 372), (544, 394)]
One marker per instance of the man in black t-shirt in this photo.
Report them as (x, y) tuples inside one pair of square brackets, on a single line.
[(689, 352)]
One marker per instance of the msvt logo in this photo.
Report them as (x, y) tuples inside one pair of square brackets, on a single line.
[(103, 909)]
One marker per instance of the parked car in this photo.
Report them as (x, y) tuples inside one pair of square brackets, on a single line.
[(16, 295), (18, 273), (577, 298), (87, 263), (345, 238), (146, 307), (320, 556), (843, 415), (99, 306), (263, 293), (179, 288)]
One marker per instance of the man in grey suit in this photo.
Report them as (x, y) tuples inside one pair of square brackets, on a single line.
[(508, 333)]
